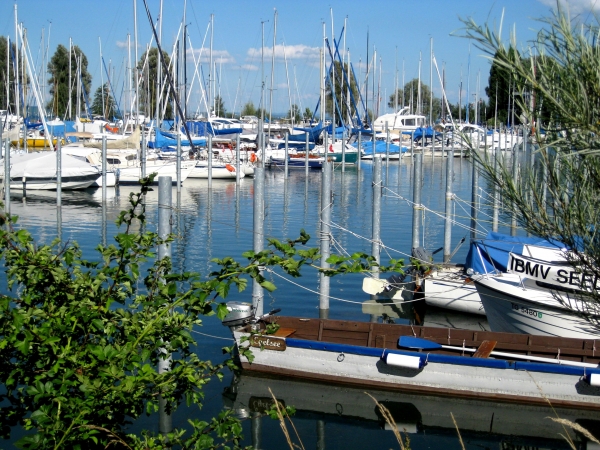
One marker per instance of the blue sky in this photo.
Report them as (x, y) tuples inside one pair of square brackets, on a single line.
[(400, 27)]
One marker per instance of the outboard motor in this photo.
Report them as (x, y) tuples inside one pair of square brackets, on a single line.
[(239, 315)]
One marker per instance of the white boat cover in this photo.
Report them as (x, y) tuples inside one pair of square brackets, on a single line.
[(43, 165)]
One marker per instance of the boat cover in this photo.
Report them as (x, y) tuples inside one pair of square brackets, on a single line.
[(43, 165), (491, 253)]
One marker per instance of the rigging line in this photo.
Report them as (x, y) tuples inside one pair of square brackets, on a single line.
[(212, 336), (335, 298)]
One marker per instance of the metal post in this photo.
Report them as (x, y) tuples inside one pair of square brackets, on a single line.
[(343, 151), (287, 155), (417, 208), (209, 155), (376, 231), (320, 435), (496, 207), (326, 205), (7, 176), (412, 143), (306, 153), (165, 209), (256, 431), (449, 196), (474, 198), (259, 218), (443, 142), (178, 166), (143, 151), (104, 169), (237, 159), (58, 174), (359, 150)]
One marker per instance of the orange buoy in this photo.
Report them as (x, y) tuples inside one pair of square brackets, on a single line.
[(253, 157), (330, 147), (230, 167)]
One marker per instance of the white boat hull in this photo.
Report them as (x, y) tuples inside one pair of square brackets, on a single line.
[(448, 289), (218, 171), (335, 362), (512, 308), (132, 175), (46, 184)]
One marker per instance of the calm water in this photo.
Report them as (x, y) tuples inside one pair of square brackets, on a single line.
[(217, 223)]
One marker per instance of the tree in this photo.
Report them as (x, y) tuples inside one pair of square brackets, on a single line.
[(58, 68), (103, 96), (344, 93), (409, 95), (308, 115), (249, 109), (557, 198), (7, 77), (294, 113), (219, 110), (147, 68)]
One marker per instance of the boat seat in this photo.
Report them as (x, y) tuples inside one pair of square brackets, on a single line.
[(484, 349), (284, 332)]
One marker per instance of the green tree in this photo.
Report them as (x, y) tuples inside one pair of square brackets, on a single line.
[(219, 107), (249, 109), (558, 196), (308, 115), (147, 68), (294, 113), (409, 95), (6, 77), (58, 68), (344, 93), (103, 96)]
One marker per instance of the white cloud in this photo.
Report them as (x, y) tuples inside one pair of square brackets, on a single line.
[(575, 6), (251, 67), (291, 52), (219, 56)]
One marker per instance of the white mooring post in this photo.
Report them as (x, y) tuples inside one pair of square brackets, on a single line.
[(417, 207), (326, 205), (376, 224), (449, 197), (165, 211), (259, 237)]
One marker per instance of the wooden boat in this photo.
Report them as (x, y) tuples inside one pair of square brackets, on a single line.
[(37, 142), (464, 363), (487, 423)]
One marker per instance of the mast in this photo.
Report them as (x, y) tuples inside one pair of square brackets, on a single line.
[(159, 68), (272, 69), (70, 90), (322, 58), (17, 99), (210, 71), (137, 78), (468, 83), (287, 75), (184, 60), (333, 96), (101, 79), (418, 109), (431, 82)]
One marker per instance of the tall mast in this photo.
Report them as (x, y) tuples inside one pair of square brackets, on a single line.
[(70, 90), (137, 78), (418, 109), (17, 99), (468, 84), (184, 61), (287, 75), (210, 71), (333, 96), (101, 79), (272, 69), (262, 82), (431, 81), (159, 67), (323, 77)]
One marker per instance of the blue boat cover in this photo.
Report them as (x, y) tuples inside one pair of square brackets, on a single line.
[(491, 253), (380, 148), (313, 133), (163, 139)]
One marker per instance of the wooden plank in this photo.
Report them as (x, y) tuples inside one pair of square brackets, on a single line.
[(346, 326), (485, 349), (283, 332), (380, 341)]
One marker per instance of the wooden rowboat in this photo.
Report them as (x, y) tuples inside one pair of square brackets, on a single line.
[(468, 364)]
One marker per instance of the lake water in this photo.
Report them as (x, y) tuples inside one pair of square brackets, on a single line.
[(218, 222)]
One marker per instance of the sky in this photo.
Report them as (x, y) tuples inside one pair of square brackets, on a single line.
[(401, 33)]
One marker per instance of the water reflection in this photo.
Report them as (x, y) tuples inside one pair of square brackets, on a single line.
[(348, 418)]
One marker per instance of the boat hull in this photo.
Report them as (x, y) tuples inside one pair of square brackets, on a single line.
[(325, 358), (132, 175), (218, 171), (509, 312), (49, 184)]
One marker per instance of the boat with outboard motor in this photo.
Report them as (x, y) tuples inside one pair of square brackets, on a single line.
[(465, 363)]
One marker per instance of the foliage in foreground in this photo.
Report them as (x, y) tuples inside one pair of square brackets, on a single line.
[(557, 90), (80, 340)]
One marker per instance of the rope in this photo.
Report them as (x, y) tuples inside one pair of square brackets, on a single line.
[(215, 337)]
